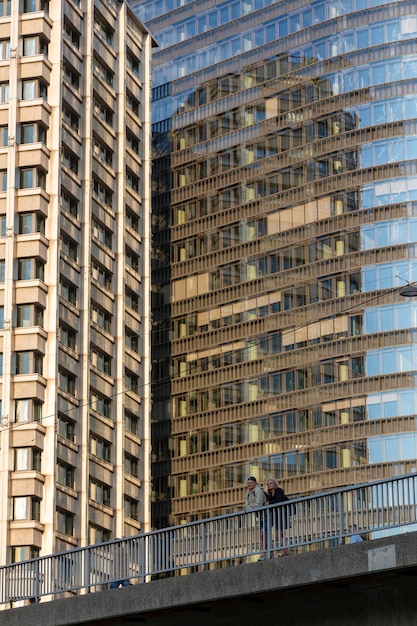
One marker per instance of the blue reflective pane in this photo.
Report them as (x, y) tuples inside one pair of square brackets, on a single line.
[(387, 318), (375, 450), (392, 448), (372, 364), (408, 450)]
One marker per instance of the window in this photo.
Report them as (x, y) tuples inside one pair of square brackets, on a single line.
[(70, 248), (70, 160), (71, 75), (28, 410), (103, 234), (31, 223), (4, 49), (66, 474), (101, 275), (132, 423), (67, 382), (35, 513), (100, 404), (101, 318), (29, 362), (68, 337), (31, 177), (5, 7), (27, 133), (65, 522), (100, 493), (27, 459), (19, 508), (101, 360), (71, 33), (29, 315), (132, 259), (132, 300), (132, 103), (4, 136), (3, 180), (132, 381), (132, 180), (66, 427), (131, 508), (23, 505), (103, 152), (103, 192), (28, 269), (69, 203), (69, 292), (4, 93), (23, 553), (34, 88), (131, 465), (132, 63), (103, 111), (132, 219), (131, 340), (103, 71), (71, 117), (132, 141), (103, 28), (30, 6), (34, 45), (98, 534), (100, 448)]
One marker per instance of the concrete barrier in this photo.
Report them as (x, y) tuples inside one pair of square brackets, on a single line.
[(366, 584)]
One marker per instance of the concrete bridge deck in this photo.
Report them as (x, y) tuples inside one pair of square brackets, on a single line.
[(368, 584)]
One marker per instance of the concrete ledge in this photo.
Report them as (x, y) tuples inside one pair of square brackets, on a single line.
[(334, 566)]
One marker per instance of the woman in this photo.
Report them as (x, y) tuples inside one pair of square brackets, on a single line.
[(275, 495)]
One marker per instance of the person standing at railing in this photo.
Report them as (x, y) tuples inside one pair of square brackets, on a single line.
[(255, 496), (254, 499), (278, 518)]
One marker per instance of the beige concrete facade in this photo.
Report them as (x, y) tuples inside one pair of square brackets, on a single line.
[(74, 249)]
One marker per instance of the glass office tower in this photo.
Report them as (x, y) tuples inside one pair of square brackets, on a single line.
[(285, 188)]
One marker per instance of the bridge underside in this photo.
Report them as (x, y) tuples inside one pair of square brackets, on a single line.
[(368, 584)]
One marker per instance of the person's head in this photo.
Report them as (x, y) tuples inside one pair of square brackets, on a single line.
[(251, 483), (271, 483)]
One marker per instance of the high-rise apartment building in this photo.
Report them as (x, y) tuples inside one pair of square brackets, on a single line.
[(286, 182), (74, 272)]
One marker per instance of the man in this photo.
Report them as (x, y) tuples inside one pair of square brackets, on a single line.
[(255, 496)]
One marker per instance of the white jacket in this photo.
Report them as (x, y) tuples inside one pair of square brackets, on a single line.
[(254, 499)]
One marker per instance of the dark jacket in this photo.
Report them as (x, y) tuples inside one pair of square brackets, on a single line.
[(279, 516)]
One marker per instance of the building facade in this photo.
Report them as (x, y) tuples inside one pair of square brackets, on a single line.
[(287, 132), (74, 271)]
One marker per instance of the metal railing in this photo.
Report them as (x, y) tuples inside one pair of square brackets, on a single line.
[(301, 524)]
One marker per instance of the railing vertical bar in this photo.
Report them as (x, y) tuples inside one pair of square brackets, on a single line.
[(340, 517)]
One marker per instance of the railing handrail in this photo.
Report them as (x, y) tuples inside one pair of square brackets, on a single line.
[(314, 519)]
